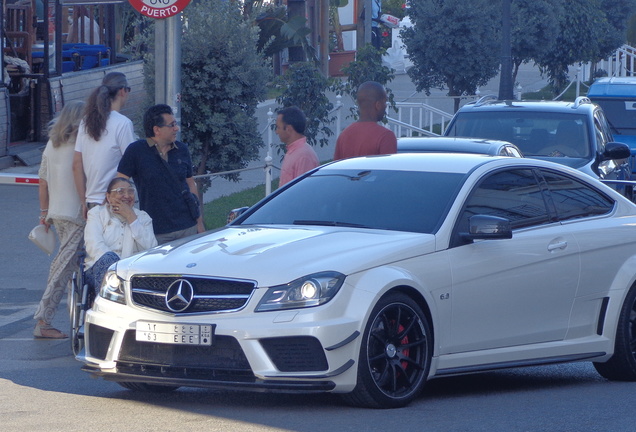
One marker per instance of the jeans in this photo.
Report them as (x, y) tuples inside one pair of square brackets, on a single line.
[(95, 275)]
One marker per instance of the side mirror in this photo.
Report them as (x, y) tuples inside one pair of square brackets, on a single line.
[(234, 213), (483, 227), (616, 150)]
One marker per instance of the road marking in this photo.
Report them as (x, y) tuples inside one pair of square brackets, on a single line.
[(19, 313)]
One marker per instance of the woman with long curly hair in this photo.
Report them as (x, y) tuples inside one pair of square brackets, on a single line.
[(103, 136), (60, 206)]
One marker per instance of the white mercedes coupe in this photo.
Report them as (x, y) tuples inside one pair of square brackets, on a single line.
[(370, 276)]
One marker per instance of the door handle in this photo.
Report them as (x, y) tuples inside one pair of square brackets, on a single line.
[(557, 245)]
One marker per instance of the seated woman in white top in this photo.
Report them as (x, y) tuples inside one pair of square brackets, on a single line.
[(115, 230)]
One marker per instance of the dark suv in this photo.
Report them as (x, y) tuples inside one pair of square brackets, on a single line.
[(575, 134)]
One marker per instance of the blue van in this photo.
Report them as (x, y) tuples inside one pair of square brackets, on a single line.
[(617, 97)]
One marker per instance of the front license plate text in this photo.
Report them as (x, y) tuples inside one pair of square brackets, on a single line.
[(179, 334)]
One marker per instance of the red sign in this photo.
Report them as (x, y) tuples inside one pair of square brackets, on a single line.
[(159, 8)]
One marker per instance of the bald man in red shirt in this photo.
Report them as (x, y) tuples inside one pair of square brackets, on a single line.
[(366, 136)]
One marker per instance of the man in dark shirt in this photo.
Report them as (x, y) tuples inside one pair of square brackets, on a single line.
[(161, 168)]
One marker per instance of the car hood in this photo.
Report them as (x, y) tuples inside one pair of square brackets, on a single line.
[(277, 255)]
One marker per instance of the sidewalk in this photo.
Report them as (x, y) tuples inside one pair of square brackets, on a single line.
[(403, 89)]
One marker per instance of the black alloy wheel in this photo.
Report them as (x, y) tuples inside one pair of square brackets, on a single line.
[(395, 355), (622, 365)]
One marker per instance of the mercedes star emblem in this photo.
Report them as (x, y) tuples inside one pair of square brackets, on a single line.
[(179, 295)]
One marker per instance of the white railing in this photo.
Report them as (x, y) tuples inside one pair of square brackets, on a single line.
[(399, 127), (410, 119), (622, 63), (420, 118)]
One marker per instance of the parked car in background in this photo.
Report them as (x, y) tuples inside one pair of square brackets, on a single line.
[(575, 134), (369, 276), (617, 97), (457, 145)]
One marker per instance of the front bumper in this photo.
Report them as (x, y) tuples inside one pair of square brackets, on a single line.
[(251, 384), (303, 350)]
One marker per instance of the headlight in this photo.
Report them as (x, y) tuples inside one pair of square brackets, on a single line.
[(113, 287), (308, 291)]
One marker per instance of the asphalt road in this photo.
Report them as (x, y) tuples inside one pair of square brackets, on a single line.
[(23, 266)]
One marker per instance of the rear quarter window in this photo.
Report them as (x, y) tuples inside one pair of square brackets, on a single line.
[(574, 199)]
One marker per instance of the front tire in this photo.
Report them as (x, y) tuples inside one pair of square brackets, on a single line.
[(76, 313), (622, 365), (395, 356)]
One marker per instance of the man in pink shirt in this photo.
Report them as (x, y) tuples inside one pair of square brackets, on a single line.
[(299, 157), (366, 136)]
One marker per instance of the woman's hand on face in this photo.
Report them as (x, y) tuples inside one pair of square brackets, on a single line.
[(123, 209)]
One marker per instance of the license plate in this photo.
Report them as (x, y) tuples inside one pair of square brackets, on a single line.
[(178, 334)]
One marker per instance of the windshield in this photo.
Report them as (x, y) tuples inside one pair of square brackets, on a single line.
[(621, 114), (547, 134), (388, 200)]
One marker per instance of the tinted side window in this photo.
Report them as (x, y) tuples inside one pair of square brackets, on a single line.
[(514, 194), (621, 112), (603, 135), (574, 199)]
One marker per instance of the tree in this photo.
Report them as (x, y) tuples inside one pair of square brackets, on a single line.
[(367, 66), (304, 86), (535, 26), (223, 79), (581, 29), (278, 32), (618, 13), (453, 44)]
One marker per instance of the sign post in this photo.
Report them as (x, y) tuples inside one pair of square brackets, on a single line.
[(168, 32)]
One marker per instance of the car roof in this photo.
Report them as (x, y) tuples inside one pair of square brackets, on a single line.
[(615, 87), (451, 144), (486, 103), (460, 163)]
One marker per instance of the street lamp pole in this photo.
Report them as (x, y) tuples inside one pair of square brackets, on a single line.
[(505, 79)]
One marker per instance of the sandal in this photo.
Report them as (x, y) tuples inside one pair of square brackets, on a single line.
[(46, 331)]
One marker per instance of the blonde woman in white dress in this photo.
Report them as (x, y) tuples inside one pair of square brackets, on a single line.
[(60, 206)]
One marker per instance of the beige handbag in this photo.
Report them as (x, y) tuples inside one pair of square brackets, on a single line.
[(44, 240)]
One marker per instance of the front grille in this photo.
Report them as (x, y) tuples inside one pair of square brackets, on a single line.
[(98, 340), (225, 353), (296, 353), (210, 294)]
